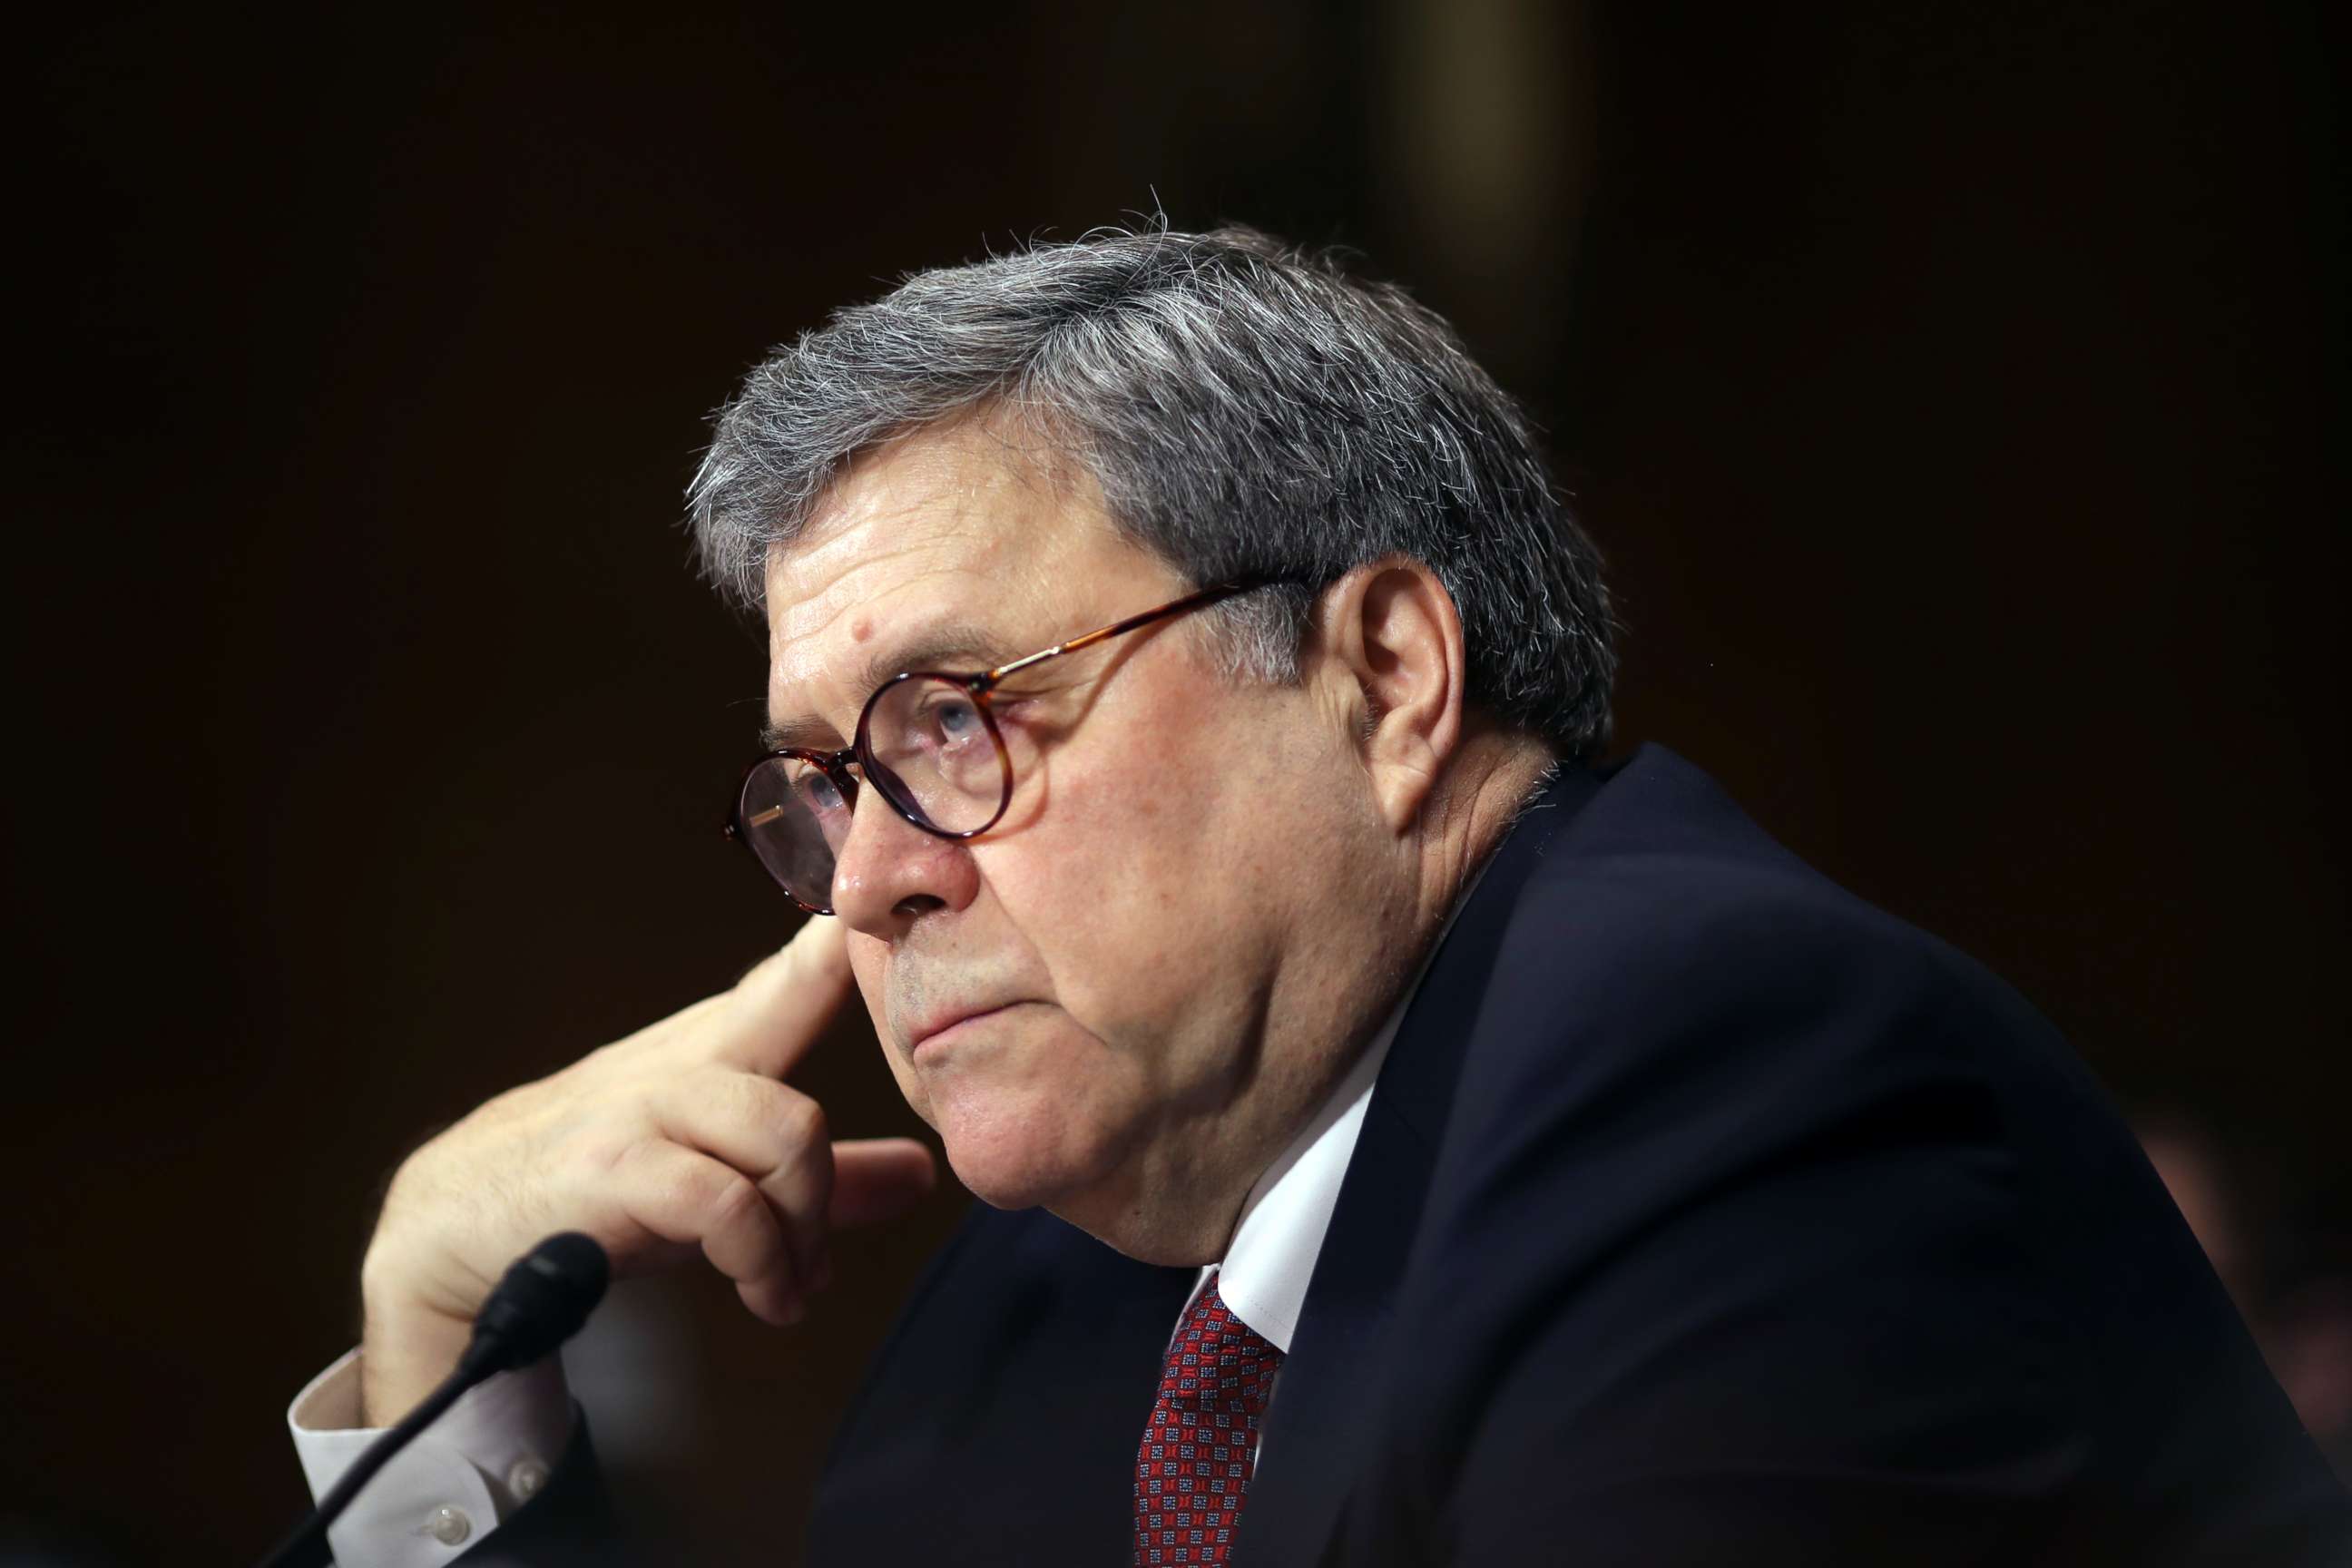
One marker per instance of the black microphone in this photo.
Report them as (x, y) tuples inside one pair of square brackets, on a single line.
[(543, 1299)]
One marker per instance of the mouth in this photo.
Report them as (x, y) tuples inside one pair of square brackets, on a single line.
[(953, 1024)]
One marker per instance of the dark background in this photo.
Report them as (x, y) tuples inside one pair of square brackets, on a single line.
[(1956, 390)]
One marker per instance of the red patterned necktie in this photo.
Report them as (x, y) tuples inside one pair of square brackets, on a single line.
[(1192, 1473)]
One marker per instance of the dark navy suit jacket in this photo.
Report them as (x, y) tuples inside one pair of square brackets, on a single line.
[(1702, 1214)]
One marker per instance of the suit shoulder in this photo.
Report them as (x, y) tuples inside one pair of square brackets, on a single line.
[(1662, 910), (1666, 962)]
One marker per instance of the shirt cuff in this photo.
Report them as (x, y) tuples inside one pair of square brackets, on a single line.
[(485, 1457)]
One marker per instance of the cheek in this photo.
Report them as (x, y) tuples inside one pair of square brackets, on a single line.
[(1204, 830), (1139, 890)]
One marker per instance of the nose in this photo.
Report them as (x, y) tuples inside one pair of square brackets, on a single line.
[(889, 873)]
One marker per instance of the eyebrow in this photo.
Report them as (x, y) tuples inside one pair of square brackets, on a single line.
[(956, 647)]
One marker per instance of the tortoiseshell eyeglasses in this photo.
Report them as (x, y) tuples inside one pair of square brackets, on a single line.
[(927, 741)]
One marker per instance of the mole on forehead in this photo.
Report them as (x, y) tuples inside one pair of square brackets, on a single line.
[(857, 597)]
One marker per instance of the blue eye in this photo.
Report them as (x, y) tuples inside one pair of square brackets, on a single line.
[(815, 787), (955, 719)]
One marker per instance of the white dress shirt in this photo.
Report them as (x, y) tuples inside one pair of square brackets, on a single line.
[(1268, 1264), (1270, 1260), (472, 1469), (482, 1461)]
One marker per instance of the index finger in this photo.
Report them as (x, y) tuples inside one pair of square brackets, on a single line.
[(779, 1010)]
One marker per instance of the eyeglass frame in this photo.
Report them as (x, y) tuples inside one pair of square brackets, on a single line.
[(979, 684)]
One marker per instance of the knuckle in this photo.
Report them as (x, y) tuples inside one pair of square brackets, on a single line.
[(801, 1127), (803, 1182), (803, 1121), (736, 1203), (600, 1157)]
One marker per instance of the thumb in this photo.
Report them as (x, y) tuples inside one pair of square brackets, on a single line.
[(878, 1179)]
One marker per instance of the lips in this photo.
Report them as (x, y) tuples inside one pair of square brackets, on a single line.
[(941, 1022)]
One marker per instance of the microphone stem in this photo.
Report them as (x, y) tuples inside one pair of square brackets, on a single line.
[(306, 1547), (542, 1301)]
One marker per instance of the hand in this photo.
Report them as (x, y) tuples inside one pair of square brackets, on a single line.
[(681, 1137)]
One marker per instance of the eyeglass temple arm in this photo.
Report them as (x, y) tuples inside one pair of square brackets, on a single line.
[(1116, 628)]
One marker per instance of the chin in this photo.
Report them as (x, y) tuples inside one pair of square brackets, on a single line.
[(1009, 1166), (1022, 1146)]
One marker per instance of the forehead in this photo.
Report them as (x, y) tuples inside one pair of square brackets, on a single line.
[(967, 530)]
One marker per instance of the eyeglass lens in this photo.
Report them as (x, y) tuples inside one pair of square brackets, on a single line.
[(934, 754)]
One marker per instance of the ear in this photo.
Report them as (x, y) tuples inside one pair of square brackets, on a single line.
[(1391, 641)]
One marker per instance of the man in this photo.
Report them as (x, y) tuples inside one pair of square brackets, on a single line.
[(1398, 1138)]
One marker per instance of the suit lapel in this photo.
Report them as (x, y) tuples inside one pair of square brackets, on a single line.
[(1315, 1425), (999, 1425)]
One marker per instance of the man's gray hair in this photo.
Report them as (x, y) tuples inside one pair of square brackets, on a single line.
[(1246, 409)]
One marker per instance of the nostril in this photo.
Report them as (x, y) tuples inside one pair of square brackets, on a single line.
[(918, 904)]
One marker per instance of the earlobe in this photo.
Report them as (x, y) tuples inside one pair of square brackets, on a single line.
[(1393, 629)]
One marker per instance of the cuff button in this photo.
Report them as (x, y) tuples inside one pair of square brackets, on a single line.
[(448, 1525), (525, 1479)]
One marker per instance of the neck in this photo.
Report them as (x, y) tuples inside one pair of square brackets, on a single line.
[(1494, 776)]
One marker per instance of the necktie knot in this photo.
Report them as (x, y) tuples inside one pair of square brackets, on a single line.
[(1194, 1470)]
